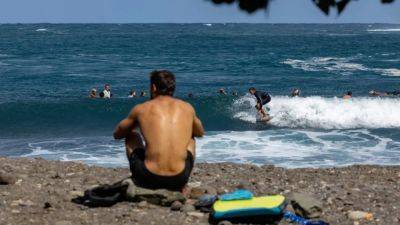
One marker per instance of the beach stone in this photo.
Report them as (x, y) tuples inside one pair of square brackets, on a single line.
[(197, 192), (76, 193), (211, 190), (6, 179), (244, 185), (305, 205), (198, 215), (63, 222), (47, 205), (360, 215), (176, 206), (142, 204), (21, 202), (161, 197), (225, 222), (188, 208)]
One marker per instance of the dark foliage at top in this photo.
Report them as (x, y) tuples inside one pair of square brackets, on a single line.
[(324, 5)]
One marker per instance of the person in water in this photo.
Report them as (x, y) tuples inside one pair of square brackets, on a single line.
[(132, 94), (93, 93), (295, 93), (262, 99), (159, 137), (222, 91), (348, 95), (375, 93), (106, 93), (142, 94)]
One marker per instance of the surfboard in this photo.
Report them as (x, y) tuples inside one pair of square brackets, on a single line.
[(265, 119)]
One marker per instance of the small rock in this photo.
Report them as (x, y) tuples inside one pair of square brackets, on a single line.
[(157, 197), (244, 185), (142, 204), (194, 184), (224, 222), (21, 202), (211, 191), (15, 211), (188, 208), (76, 193), (196, 192), (47, 205), (359, 215), (196, 214), (305, 205), (6, 179), (176, 206), (63, 222)]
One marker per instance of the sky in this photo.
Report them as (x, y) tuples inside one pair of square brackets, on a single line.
[(188, 11)]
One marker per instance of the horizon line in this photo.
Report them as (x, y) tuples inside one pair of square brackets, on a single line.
[(180, 23)]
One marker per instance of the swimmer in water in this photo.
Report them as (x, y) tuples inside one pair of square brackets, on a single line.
[(190, 95), (132, 94), (106, 93), (222, 91), (295, 93), (93, 93), (348, 95), (142, 94), (262, 99)]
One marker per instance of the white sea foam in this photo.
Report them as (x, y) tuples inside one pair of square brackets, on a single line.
[(294, 148), (338, 65), (384, 30), (41, 30), (324, 113), (207, 24), (389, 72), (282, 147), (325, 63)]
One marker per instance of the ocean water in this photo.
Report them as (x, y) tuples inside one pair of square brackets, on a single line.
[(47, 70)]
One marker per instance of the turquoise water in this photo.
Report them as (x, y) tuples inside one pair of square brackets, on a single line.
[(47, 70)]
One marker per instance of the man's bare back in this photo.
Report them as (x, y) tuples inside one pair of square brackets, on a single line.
[(168, 126)]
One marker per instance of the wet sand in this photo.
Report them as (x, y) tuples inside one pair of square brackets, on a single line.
[(43, 190)]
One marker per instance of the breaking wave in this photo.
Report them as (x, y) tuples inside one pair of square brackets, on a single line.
[(325, 113), (338, 65)]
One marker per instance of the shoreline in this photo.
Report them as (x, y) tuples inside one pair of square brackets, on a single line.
[(43, 191)]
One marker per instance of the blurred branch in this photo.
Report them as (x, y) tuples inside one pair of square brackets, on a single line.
[(325, 6)]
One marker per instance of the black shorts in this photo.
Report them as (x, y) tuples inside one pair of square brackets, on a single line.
[(265, 100), (146, 179)]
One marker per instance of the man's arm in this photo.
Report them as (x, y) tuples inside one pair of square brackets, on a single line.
[(198, 129), (126, 125)]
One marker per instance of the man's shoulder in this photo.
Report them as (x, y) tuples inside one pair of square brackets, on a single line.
[(184, 104)]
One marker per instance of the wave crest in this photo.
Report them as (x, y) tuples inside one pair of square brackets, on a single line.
[(338, 65), (325, 113)]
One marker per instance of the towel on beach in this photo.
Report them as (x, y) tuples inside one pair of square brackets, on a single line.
[(240, 194)]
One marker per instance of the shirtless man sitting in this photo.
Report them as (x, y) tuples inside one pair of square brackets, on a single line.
[(164, 157)]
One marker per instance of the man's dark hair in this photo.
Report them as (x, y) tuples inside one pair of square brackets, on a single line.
[(350, 93), (252, 89), (164, 81)]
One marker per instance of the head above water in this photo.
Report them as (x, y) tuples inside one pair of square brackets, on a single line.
[(107, 87), (252, 90), (349, 93), (296, 92), (162, 82)]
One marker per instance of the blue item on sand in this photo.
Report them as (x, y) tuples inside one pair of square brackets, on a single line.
[(239, 194), (293, 218)]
